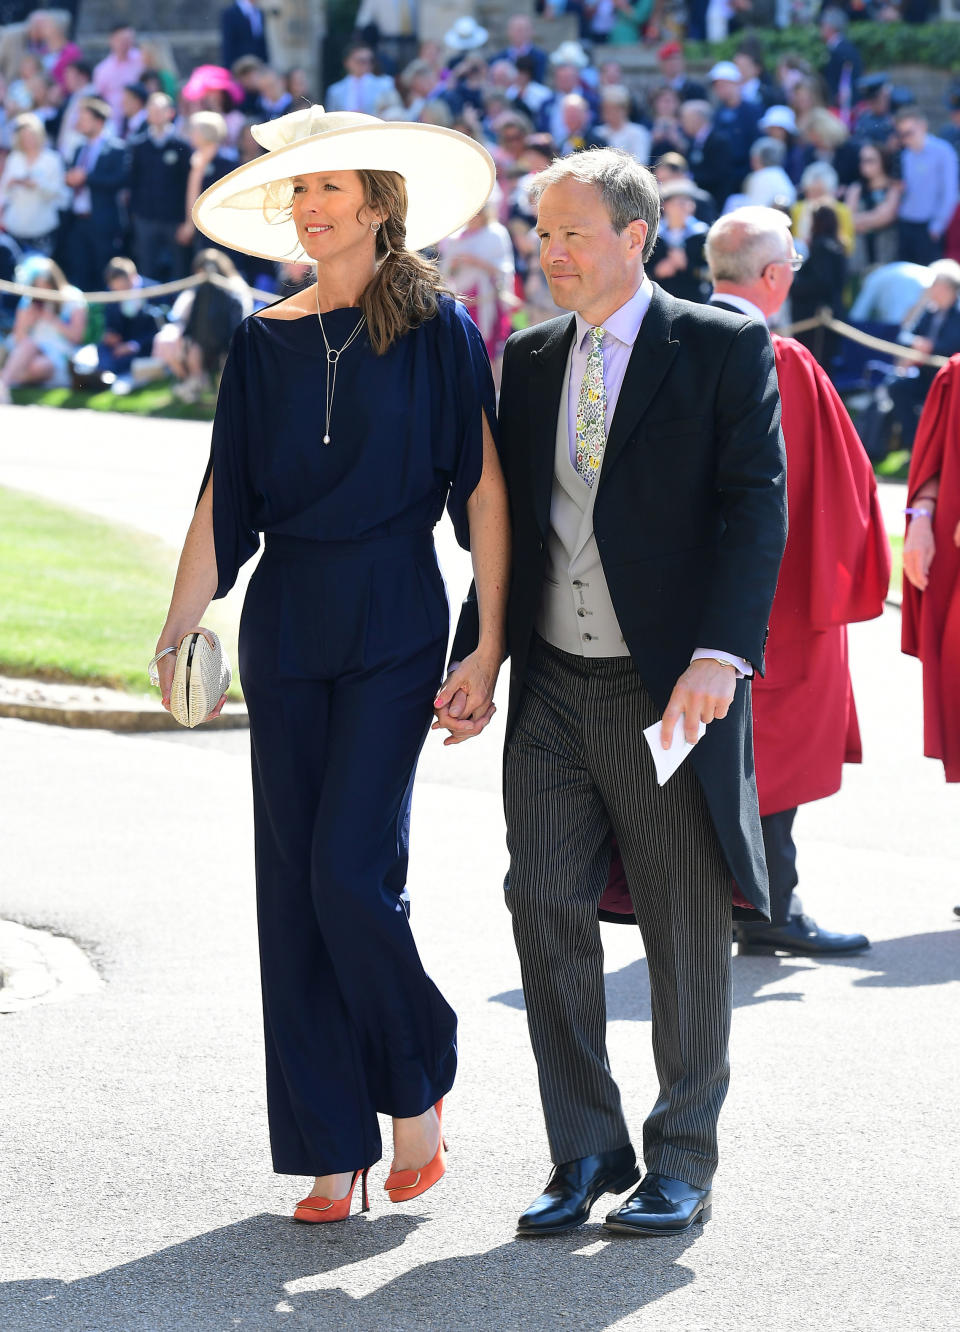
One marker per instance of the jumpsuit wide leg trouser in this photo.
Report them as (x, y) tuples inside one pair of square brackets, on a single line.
[(342, 650)]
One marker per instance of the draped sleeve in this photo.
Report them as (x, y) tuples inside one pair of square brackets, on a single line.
[(234, 536), (472, 382)]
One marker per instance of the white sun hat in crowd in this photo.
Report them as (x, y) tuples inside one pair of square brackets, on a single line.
[(779, 117), (570, 53), (725, 69), (465, 35), (448, 176)]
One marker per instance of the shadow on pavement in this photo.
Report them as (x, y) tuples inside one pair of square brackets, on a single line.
[(628, 990), (263, 1273), (913, 960)]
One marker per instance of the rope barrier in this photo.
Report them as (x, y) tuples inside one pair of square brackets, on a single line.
[(858, 335), (197, 279), (133, 293)]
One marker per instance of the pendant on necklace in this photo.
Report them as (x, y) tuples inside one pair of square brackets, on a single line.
[(326, 439)]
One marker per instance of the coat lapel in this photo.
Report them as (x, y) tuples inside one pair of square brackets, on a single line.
[(652, 356), (547, 368)]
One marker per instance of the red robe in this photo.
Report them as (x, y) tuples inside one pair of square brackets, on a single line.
[(835, 570), (931, 619)]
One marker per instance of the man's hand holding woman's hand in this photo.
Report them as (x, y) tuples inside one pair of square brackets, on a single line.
[(464, 706)]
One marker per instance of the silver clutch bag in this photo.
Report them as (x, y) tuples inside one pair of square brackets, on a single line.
[(200, 679)]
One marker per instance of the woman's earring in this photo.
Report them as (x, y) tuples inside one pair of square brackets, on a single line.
[(374, 226)]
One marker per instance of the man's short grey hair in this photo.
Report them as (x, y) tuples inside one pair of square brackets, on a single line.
[(945, 270), (768, 152), (698, 108), (741, 243), (629, 191), (822, 172)]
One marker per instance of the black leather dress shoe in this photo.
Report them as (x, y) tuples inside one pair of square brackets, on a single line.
[(800, 935), (574, 1187), (661, 1206)]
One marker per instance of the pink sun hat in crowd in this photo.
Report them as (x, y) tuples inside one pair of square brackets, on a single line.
[(211, 78)]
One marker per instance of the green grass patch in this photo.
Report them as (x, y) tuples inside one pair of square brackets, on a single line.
[(80, 598), (895, 466), (151, 400)]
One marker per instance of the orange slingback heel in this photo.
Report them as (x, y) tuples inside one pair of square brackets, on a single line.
[(402, 1185), (313, 1208)]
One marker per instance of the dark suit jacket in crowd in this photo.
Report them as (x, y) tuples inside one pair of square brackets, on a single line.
[(535, 53), (237, 39), (698, 421), (109, 176), (945, 343), (844, 53), (711, 165)]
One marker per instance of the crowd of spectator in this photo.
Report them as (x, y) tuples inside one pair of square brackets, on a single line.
[(103, 162)]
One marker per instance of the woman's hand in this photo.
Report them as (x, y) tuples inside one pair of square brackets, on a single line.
[(919, 549), (166, 666), (464, 706)]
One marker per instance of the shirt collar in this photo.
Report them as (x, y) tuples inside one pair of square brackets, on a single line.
[(747, 307), (623, 324)]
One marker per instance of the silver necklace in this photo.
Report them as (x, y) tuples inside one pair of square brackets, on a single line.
[(333, 360)]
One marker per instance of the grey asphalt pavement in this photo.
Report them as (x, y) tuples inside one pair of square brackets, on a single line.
[(135, 1186)]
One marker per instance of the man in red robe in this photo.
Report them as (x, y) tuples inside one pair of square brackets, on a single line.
[(835, 570), (931, 566)]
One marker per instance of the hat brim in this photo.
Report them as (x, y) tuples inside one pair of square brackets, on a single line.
[(449, 178), (477, 38)]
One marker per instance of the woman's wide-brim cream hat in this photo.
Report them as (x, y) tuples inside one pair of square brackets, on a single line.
[(448, 177)]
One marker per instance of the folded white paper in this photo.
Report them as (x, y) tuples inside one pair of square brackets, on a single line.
[(667, 761)]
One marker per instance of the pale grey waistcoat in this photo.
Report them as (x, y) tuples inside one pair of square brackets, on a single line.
[(576, 613)]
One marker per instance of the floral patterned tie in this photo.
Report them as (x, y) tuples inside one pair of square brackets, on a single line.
[(591, 412)]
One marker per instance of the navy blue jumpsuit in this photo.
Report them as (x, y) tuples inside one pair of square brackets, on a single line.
[(342, 643)]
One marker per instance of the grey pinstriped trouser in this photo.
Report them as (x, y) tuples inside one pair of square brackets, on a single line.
[(576, 768)]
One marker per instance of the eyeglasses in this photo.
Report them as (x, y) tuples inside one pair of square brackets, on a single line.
[(794, 263)]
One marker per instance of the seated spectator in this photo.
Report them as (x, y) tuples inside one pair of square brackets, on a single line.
[(512, 131), (819, 284), (213, 88), (818, 185), (872, 118), (768, 182), (539, 151), (674, 166), (666, 132), (194, 342), (466, 87), (477, 261), (20, 93), (708, 153), (827, 139), (935, 333), (874, 201), (677, 262), (805, 96), (129, 325), (576, 120), (567, 66), (31, 188), (616, 129), (46, 333), (928, 166)]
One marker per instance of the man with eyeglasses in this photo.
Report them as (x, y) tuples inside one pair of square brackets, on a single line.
[(804, 716), (929, 169)]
